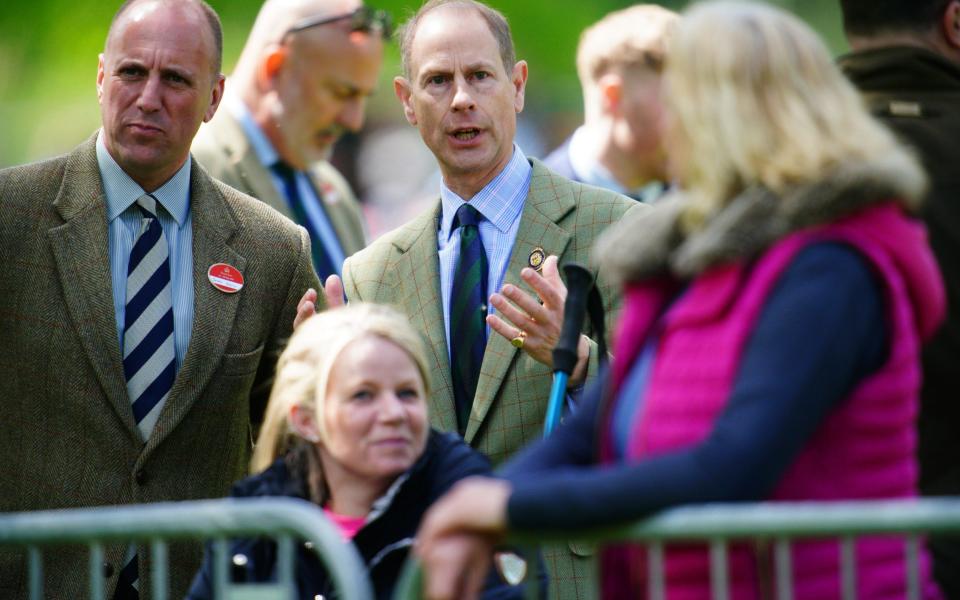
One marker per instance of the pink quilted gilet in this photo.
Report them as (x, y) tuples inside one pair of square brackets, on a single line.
[(864, 449)]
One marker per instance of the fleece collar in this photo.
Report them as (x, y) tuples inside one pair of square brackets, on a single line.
[(652, 243)]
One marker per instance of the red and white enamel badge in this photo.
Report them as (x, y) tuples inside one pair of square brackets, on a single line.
[(225, 278)]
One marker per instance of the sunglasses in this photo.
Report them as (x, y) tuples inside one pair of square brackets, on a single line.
[(365, 19)]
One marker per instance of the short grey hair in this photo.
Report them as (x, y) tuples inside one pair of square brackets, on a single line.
[(495, 20)]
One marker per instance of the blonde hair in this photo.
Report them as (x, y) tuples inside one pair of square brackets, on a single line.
[(635, 37), (756, 100), (303, 370)]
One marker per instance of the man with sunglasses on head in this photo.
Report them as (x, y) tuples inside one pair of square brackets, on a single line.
[(302, 80)]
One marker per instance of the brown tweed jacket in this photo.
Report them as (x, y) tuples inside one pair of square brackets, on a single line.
[(69, 437), (223, 149)]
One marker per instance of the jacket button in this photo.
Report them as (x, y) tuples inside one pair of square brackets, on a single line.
[(141, 477), (107, 570)]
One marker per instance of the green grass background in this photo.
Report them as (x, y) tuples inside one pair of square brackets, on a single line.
[(48, 61)]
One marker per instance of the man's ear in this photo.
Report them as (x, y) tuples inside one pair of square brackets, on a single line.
[(303, 423), (611, 92), (100, 79), (272, 60), (519, 79), (401, 87), (951, 24), (216, 95)]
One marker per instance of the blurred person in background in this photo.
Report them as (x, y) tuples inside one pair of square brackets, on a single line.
[(346, 428), (302, 80), (142, 305), (477, 273), (906, 62), (769, 344), (619, 60)]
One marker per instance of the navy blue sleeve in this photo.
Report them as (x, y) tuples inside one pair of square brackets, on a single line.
[(573, 442), (820, 332)]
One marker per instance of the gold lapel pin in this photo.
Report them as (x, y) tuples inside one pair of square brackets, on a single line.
[(536, 258)]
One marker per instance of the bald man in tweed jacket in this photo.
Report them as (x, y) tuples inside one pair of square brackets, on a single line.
[(69, 436)]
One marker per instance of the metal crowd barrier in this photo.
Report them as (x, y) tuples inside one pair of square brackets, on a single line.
[(219, 520), (718, 525)]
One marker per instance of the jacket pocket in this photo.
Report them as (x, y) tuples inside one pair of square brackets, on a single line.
[(244, 363)]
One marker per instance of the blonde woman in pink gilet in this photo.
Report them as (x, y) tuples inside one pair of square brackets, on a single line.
[(770, 339)]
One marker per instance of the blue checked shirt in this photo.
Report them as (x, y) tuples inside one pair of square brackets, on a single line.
[(267, 155), (501, 203), (124, 223)]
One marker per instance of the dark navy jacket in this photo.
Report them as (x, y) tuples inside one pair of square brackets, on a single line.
[(383, 543)]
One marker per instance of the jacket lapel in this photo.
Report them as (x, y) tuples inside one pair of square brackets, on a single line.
[(80, 251), (247, 166), (213, 310), (550, 199), (418, 271)]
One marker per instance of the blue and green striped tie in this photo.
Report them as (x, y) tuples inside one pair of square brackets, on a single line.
[(468, 311)]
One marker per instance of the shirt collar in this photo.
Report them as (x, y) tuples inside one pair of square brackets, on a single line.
[(266, 153), (122, 190), (588, 169), (586, 166), (500, 201)]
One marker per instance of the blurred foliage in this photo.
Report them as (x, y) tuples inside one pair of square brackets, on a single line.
[(49, 48)]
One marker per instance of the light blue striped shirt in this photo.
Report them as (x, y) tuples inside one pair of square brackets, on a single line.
[(124, 224), (268, 156), (501, 203)]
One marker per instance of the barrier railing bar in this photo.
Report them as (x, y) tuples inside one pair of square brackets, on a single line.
[(285, 561), (848, 567), (913, 567), (221, 568), (158, 569), (190, 520), (655, 568), (96, 571), (784, 569), (771, 520), (719, 582), (531, 592), (35, 560)]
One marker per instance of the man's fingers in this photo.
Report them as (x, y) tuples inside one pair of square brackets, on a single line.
[(502, 327), (516, 316), (333, 292), (530, 307), (547, 284), (306, 308)]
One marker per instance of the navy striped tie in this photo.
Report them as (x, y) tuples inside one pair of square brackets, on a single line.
[(321, 258), (468, 311), (149, 359)]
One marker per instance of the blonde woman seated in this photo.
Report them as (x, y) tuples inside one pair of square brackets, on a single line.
[(769, 342), (346, 428)]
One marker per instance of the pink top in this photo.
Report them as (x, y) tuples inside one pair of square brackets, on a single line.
[(348, 526)]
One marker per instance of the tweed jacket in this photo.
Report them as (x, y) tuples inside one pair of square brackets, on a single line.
[(69, 436), (224, 150), (402, 268)]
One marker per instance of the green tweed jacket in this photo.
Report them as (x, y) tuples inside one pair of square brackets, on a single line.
[(223, 149), (402, 268), (69, 437)]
